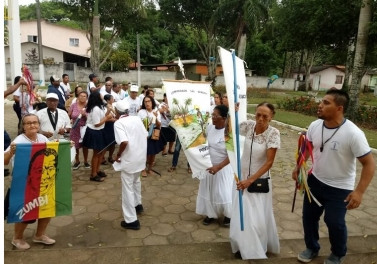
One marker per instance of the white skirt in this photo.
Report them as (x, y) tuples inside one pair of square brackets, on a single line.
[(215, 194), (260, 232)]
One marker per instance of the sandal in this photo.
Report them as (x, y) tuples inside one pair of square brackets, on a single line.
[(164, 154), (144, 173), (150, 172), (171, 152), (104, 162), (172, 169), (189, 170), (110, 160), (97, 178)]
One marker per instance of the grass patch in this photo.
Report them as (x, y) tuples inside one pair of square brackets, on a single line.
[(304, 121)]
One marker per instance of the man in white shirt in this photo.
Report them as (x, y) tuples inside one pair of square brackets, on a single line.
[(65, 85), (108, 90), (54, 122), (337, 143), (107, 79), (133, 100), (92, 84), (119, 94), (131, 137)]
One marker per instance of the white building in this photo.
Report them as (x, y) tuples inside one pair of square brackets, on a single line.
[(59, 43)]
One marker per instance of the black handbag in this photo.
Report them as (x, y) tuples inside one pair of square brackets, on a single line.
[(260, 185)]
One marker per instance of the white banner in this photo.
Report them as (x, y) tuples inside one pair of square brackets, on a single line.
[(189, 104), (232, 76)]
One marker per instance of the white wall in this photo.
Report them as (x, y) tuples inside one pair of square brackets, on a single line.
[(152, 78), (260, 82)]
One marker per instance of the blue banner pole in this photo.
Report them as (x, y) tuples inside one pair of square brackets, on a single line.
[(237, 137)]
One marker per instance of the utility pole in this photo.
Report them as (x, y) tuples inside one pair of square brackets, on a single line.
[(14, 39), (40, 49), (138, 60), (2, 53)]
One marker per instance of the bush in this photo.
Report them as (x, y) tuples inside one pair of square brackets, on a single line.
[(366, 116), (303, 105)]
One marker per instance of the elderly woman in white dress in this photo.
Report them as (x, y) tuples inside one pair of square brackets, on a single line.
[(215, 191), (260, 233)]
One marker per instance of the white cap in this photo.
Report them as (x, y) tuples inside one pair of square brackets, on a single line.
[(122, 106), (52, 96), (55, 78), (134, 88)]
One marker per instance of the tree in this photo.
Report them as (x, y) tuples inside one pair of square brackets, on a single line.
[(206, 22), (32, 56), (361, 47), (112, 15), (304, 25)]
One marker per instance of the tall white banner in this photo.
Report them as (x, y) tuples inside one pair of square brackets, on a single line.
[(234, 77), (189, 104)]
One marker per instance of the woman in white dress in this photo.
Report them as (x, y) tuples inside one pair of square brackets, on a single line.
[(215, 191), (260, 233)]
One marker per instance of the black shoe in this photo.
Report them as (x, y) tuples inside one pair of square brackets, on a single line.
[(226, 221), (139, 208), (101, 174), (6, 172), (134, 225), (237, 255), (208, 220)]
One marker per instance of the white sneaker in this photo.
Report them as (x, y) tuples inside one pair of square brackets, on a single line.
[(44, 240), (20, 244)]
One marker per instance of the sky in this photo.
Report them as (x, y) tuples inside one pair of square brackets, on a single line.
[(26, 2)]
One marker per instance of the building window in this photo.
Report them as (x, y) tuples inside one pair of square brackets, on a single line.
[(74, 42), (339, 79), (32, 38)]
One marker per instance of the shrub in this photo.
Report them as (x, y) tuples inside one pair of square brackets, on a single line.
[(366, 116), (303, 105)]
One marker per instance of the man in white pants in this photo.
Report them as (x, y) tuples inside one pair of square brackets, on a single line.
[(131, 137)]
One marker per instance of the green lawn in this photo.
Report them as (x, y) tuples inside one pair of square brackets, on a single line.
[(304, 121)]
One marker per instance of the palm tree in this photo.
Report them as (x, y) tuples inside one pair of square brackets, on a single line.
[(251, 15), (182, 109), (365, 19)]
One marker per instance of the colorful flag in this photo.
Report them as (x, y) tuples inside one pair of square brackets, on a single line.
[(189, 104), (42, 181)]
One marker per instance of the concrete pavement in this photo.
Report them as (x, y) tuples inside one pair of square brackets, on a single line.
[(170, 231)]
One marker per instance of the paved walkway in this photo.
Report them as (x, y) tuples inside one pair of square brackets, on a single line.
[(169, 211)]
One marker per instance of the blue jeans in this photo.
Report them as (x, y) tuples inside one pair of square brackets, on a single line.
[(177, 149), (332, 200)]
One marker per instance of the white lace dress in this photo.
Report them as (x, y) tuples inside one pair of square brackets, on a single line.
[(260, 233), (215, 191)]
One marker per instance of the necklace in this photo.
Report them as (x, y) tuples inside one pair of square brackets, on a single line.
[(32, 141), (323, 125)]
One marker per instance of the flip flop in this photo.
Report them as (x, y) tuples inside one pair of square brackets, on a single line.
[(97, 178), (144, 173), (189, 170), (172, 169)]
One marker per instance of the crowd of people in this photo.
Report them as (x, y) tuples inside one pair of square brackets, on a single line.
[(100, 117)]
